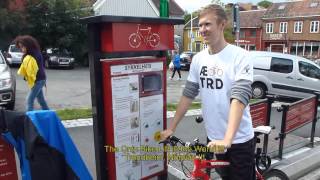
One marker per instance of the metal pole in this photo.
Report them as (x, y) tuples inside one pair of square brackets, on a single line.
[(314, 122), (282, 133), (191, 34), (164, 8), (237, 37), (266, 136)]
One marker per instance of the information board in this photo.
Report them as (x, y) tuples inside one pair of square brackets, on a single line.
[(300, 114), (259, 114)]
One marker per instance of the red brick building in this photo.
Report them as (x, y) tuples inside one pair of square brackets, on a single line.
[(16, 5), (293, 27), (250, 37)]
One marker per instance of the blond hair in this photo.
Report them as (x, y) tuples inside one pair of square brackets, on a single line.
[(217, 10)]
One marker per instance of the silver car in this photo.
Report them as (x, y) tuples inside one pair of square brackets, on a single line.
[(7, 85), (283, 74), (14, 55)]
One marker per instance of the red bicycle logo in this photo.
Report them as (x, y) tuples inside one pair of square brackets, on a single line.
[(145, 35)]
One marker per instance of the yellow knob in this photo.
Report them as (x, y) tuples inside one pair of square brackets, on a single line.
[(157, 136)]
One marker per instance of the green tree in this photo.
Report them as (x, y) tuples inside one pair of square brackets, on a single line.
[(10, 25), (265, 4), (56, 23)]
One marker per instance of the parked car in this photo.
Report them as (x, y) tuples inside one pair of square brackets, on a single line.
[(14, 55), (7, 85), (283, 74), (185, 59), (55, 57)]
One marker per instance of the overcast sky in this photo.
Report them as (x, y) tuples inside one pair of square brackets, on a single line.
[(192, 5)]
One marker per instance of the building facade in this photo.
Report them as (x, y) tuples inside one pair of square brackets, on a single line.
[(293, 28), (250, 36), (192, 40)]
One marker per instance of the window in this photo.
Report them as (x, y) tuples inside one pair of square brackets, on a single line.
[(252, 47), (205, 45), (281, 65), (298, 26), (314, 26), (281, 7), (253, 33), (198, 33), (242, 34), (269, 28), (283, 27), (309, 70), (313, 4)]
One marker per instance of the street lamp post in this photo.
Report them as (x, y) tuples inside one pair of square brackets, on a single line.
[(191, 34)]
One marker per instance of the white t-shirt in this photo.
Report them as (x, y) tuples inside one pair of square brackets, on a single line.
[(216, 74)]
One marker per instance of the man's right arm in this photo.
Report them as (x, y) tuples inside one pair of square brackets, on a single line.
[(190, 91)]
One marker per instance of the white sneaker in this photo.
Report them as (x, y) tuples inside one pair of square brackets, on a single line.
[(170, 78), (178, 79)]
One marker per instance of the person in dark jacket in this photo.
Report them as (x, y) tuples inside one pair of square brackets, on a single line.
[(176, 63), (32, 70)]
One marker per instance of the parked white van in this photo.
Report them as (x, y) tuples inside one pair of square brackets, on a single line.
[(283, 74)]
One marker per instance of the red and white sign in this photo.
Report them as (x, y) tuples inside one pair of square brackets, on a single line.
[(117, 37), (300, 114), (259, 113), (8, 169)]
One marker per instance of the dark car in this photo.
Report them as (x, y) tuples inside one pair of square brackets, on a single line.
[(7, 85), (55, 57), (185, 60)]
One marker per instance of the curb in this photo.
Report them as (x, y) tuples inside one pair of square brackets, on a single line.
[(170, 114), (89, 122)]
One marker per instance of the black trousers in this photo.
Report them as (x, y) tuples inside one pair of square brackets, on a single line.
[(174, 71), (241, 158)]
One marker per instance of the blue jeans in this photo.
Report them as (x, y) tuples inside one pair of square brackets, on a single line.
[(36, 92)]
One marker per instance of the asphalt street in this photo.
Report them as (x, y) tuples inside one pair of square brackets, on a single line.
[(65, 89), (71, 88)]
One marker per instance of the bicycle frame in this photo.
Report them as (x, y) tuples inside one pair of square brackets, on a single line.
[(139, 32), (201, 164)]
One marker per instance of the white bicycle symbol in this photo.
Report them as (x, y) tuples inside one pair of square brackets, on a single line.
[(215, 71), (148, 37)]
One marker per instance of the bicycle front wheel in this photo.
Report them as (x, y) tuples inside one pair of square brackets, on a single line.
[(275, 174)]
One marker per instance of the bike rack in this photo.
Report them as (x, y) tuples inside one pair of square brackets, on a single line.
[(297, 115)]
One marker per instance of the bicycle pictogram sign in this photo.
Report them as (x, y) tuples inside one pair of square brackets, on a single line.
[(144, 35)]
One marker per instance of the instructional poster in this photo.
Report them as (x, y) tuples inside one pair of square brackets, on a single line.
[(137, 116), (125, 101), (151, 115)]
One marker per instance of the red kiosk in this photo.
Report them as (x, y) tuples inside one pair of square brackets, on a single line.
[(8, 169), (127, 58)]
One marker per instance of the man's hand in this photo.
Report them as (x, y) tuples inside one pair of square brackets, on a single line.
[(165, 134), (219, 146)]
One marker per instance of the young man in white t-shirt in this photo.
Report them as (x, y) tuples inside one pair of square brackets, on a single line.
[(223, 76)]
